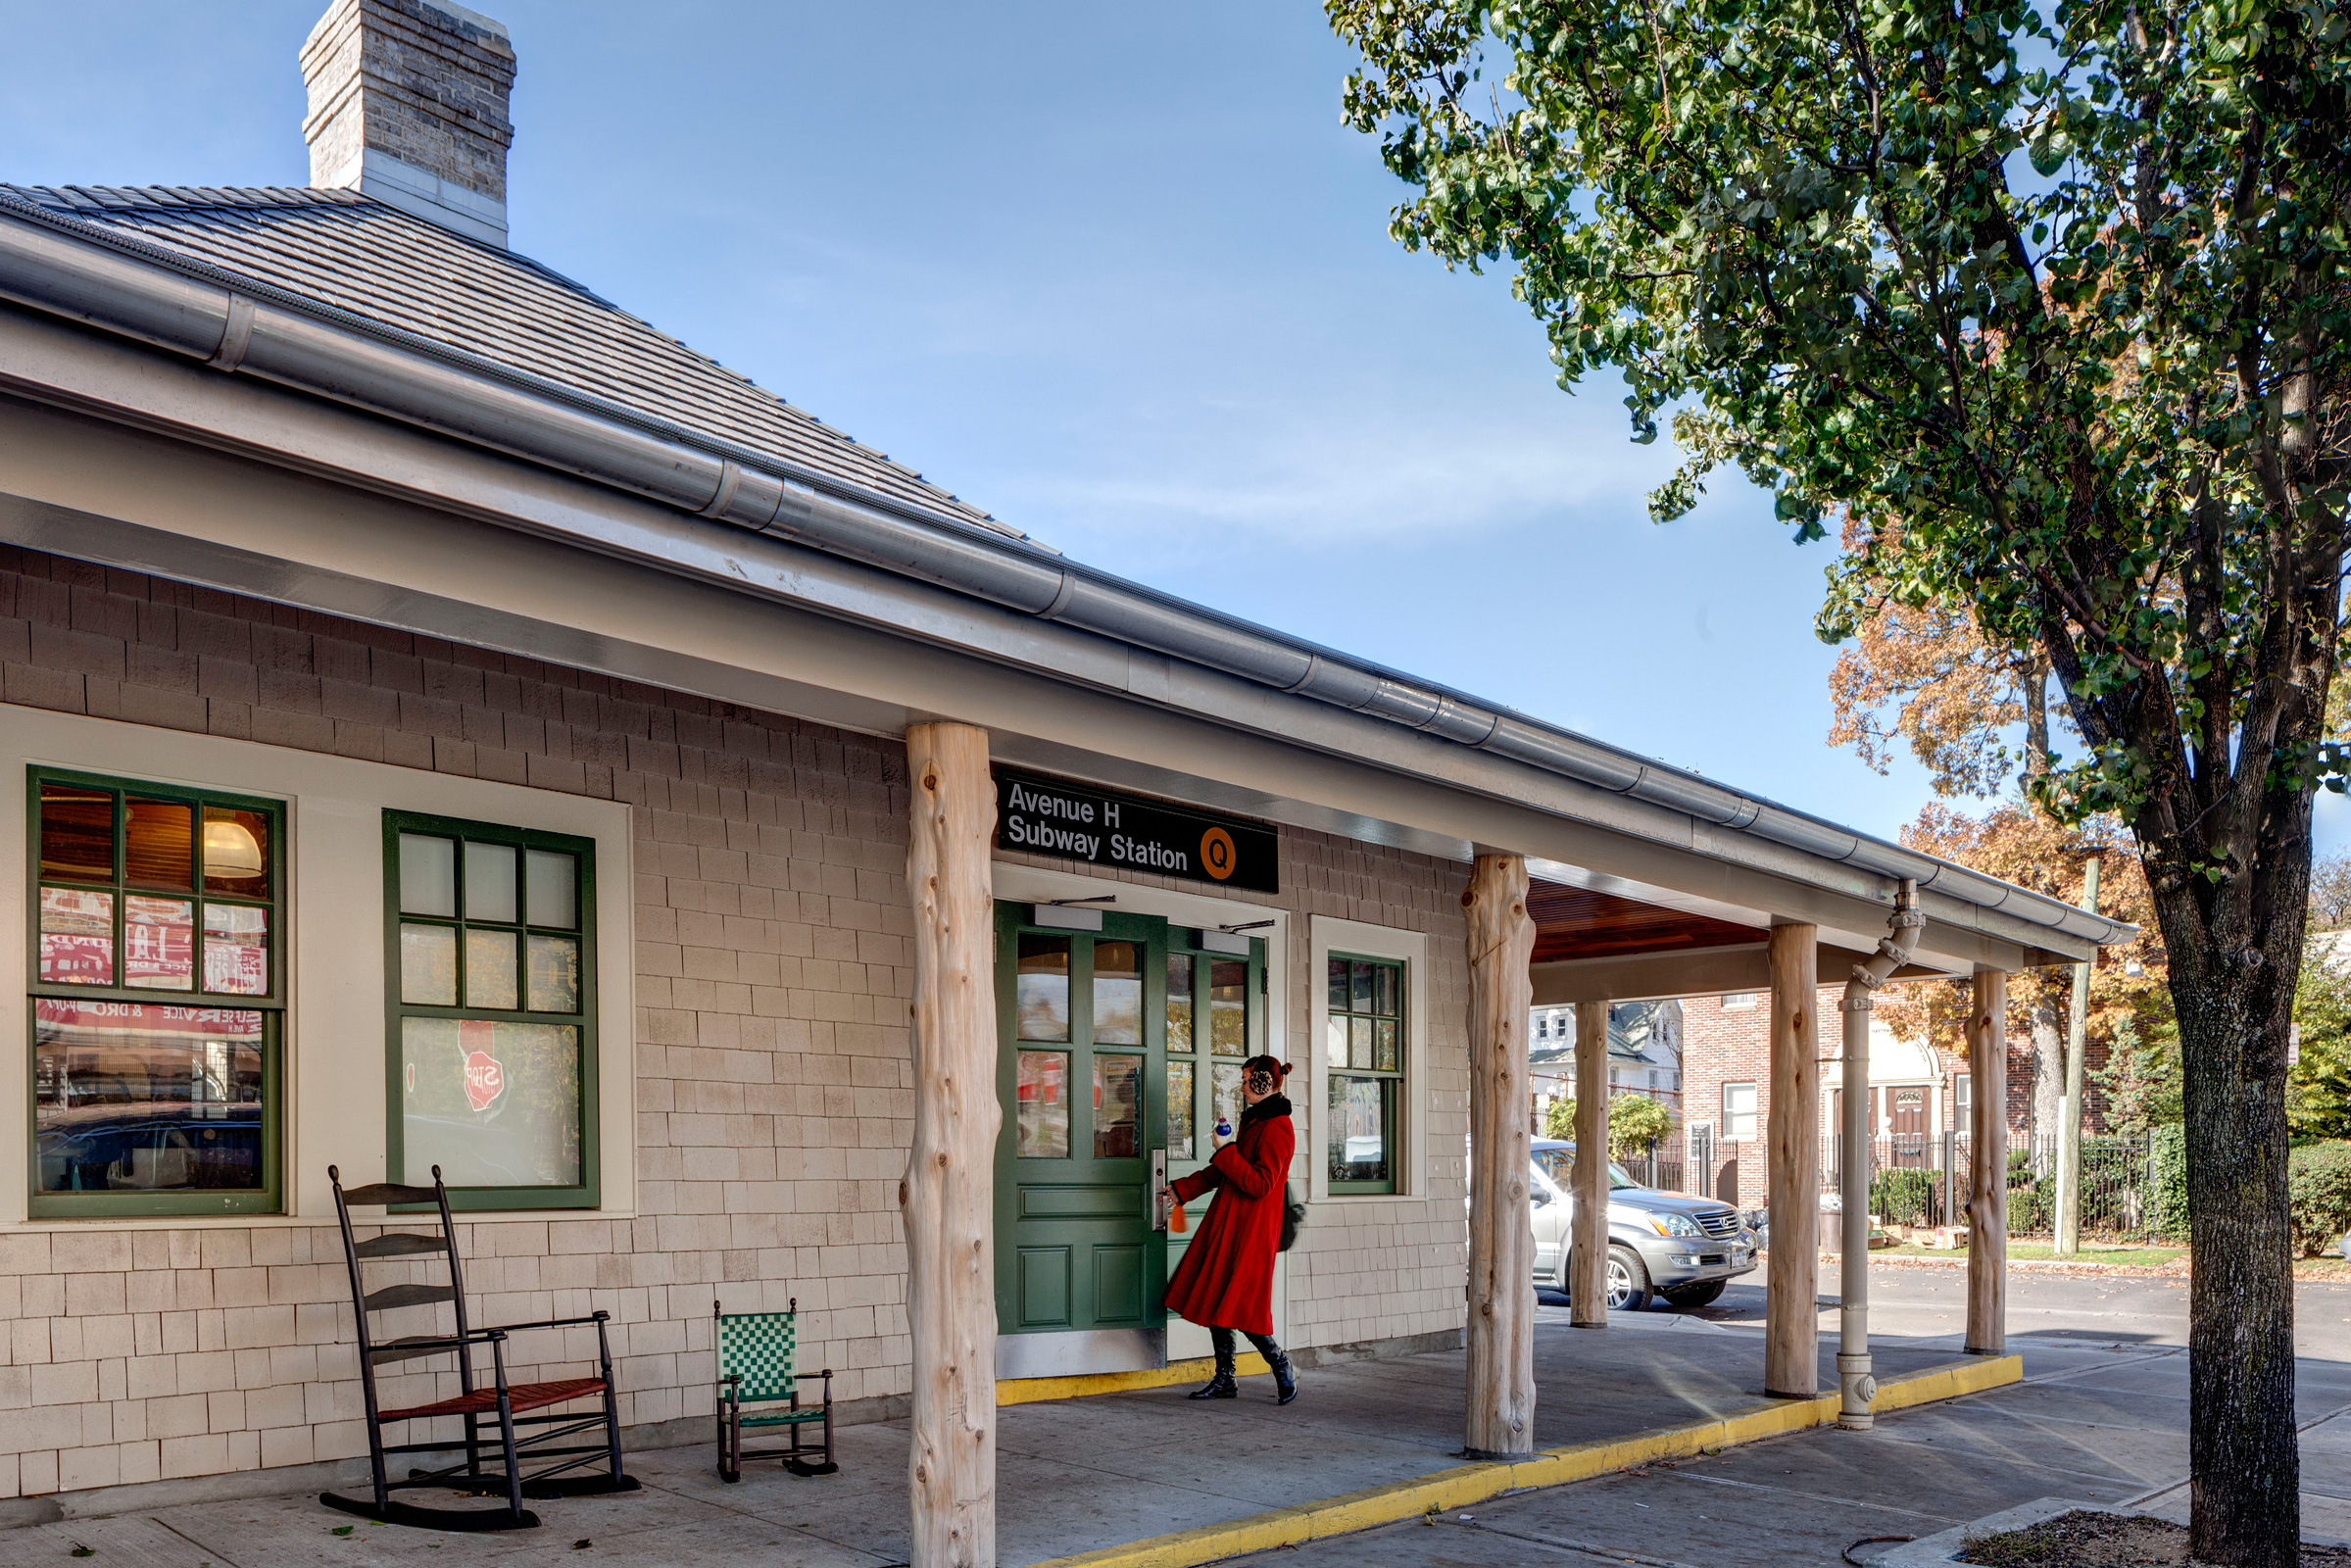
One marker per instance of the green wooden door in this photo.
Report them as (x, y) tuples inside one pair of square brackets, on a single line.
[(1215, 1018), (1082, 1026)]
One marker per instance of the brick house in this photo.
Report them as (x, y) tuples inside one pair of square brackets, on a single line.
[(1644, 1053), (1917, 1092), (408, 656)]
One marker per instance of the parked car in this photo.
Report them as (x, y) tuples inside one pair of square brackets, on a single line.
[(1668, 1244)]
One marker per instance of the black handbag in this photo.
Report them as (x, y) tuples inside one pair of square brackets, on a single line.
[(1294, 1215)]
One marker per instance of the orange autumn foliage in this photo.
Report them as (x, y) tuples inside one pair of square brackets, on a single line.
[(2017, 844)]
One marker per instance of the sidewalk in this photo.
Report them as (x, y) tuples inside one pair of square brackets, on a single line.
[(1075, 1476), (2100, 1424)]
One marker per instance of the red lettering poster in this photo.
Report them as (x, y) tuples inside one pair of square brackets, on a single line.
[(485, 1079)]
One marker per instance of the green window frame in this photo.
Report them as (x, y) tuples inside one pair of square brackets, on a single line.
[(490, 1001), (155, 999), (1367, 1054)]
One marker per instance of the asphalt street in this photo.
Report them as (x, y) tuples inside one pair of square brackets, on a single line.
[(1924, 1300)]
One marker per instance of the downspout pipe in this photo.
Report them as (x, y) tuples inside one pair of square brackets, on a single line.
[(1856, 1385)]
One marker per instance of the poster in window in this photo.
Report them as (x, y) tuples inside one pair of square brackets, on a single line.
[(159, 944), (237, 948), (77, 936)]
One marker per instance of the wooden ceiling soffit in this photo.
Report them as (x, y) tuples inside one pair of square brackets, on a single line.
[(1688, 972), (1580, 923)]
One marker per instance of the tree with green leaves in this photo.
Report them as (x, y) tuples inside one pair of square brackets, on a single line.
[(2050, 310), (1635, 1123), (2318, 1094)]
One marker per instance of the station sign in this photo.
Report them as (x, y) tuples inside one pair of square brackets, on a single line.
[(1097, 827)]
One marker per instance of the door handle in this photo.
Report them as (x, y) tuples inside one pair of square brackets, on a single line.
[(1160, 1195)]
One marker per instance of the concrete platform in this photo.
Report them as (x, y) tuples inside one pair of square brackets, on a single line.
[(1076, 1475), (2100, 1416)]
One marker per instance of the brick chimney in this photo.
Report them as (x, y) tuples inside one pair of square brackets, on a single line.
[(408, 103)]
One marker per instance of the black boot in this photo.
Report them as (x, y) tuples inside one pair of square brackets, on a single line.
[(1221, 1385), (1285, 1381)]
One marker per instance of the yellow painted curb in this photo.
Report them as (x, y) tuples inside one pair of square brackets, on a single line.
[(1469, 1484), (1028, 1390)]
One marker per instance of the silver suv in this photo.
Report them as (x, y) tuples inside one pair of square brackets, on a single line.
[(1682, 1248)]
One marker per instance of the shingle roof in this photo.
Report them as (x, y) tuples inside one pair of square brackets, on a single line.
[(347, 250)]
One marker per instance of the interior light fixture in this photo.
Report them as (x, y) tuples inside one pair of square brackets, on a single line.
[(230, 849)]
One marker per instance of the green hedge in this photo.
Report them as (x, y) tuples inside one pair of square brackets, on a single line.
[(2032, 1207), (1904, 1197), (2167, 1207), (2318, 1190), (2317, 1178)]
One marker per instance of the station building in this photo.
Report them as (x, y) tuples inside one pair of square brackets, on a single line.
[(455, 725)]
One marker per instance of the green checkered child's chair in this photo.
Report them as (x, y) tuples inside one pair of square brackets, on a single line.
[(755, 1368)]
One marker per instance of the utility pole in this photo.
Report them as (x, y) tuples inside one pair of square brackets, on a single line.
[(2077, 1045)]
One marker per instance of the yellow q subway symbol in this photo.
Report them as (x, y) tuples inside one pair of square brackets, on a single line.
[(1216, 853)]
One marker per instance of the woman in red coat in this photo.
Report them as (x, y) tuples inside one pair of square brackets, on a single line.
[(1225, 1280)]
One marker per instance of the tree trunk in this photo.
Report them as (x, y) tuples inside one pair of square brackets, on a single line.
[(1500, 1402), (2234, 963), (2032, 683), (1791, 1363), (1588, 1284), (949, 1195), (2046, 1028)]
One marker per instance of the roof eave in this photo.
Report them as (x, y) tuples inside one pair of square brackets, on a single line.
[(134, 288)]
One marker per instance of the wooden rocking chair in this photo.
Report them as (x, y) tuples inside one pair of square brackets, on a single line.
[(494, 1453), (755, 1352)]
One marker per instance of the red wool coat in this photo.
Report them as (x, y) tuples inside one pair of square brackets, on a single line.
[(1226, 1278)]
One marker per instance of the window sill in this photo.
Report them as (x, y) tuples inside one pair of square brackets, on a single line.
[(1373, 1198)]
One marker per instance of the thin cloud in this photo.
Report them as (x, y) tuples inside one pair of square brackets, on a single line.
[(1345, 476)]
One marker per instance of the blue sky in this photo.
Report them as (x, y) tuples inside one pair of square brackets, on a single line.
[(1115, 272)]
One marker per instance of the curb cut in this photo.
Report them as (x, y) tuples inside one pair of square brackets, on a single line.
[(1469, 1484)]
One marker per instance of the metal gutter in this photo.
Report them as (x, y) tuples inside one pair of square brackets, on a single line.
[(127, 285)]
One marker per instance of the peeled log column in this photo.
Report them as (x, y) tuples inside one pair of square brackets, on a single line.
[(1987, 1167), (1502, 1236), (1791, 1362), (949, 1195), (1587, 1240)]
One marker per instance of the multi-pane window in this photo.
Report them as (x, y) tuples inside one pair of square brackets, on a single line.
[(1208, 1037), (491, 975), (156, 999), (1739, 1112), (1040, 1004), (1963, 1101), (1364, 1046)]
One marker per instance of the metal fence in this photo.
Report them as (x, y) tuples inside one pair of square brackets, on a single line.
[(1922, 1179), (1663, 1165)]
